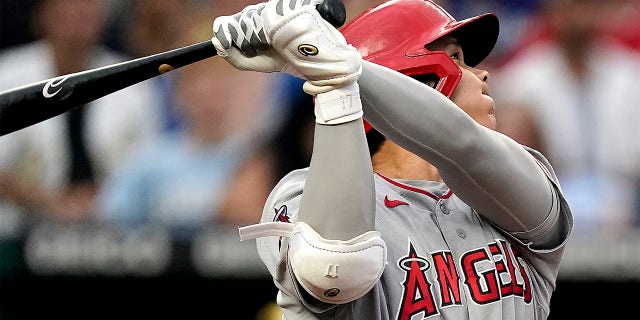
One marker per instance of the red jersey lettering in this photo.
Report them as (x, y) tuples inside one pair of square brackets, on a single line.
[(481, 281), (447, 278), (417, 296)]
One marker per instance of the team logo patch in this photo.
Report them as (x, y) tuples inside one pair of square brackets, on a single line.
[(307, 50), (281, 214)]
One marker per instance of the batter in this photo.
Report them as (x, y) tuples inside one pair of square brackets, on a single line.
[(425, 211)]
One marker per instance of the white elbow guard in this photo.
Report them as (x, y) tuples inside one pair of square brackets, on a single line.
[(334, 271)]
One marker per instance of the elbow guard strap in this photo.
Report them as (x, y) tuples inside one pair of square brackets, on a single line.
[(332, 271)]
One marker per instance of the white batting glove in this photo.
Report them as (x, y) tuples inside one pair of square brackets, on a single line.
[(320, 53), (241, 40), (339, 105), (290, 36), (317, 50)]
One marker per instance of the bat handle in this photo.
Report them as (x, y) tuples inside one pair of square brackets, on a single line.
[(333, 11)]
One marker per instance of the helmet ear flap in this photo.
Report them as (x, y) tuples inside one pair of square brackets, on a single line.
[(436, 63), (432, 65)]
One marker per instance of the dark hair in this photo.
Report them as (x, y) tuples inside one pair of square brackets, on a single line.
[(374, 140), (430, 79)]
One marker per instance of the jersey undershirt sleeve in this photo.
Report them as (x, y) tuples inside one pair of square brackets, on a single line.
[(338, 199), (502, 180), (512, 186)]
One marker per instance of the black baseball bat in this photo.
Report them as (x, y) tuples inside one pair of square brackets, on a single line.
[(27, 105)]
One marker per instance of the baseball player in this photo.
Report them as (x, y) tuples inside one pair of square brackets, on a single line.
[(445, 218)]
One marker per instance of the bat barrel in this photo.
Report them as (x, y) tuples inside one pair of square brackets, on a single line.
[(33, 103)]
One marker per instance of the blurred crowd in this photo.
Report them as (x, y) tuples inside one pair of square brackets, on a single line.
[(203, 145)]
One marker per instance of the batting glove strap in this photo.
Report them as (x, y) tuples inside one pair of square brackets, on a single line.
[(337, 106)]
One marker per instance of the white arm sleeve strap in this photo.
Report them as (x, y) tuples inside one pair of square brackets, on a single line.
[(332, 271)]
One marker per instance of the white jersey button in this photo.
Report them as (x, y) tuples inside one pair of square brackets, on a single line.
[(461, 233)]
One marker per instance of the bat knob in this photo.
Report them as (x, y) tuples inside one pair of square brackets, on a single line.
[(333, 11)]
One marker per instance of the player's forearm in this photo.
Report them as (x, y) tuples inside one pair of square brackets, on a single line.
[(338, 198), (492, 173)]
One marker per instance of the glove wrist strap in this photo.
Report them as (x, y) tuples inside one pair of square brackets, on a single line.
[(339, 105)]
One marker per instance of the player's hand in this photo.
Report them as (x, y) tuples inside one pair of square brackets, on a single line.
[(290, 36), (241, 40), (310, 45), (320, 53)]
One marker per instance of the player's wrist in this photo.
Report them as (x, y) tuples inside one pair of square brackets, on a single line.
[(339, 105)]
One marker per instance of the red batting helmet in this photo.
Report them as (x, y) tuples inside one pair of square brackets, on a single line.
[(395, 33)]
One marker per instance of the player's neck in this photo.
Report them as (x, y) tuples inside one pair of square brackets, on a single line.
[(394, 162)]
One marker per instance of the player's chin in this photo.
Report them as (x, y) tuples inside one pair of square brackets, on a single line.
[(491, 112), (491, 122)]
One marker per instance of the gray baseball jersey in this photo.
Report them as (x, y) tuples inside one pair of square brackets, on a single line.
[(444, 260), (489, 250)]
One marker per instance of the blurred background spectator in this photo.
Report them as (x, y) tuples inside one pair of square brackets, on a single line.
[(570, 92), (514, 15), (145, 27), (53, 169), (16, 22), (203, 173)]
